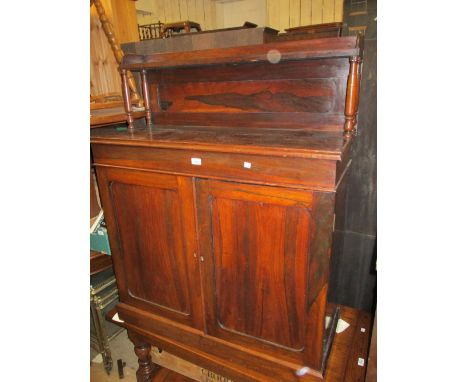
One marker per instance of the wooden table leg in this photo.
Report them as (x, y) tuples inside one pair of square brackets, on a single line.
[(147, 369)]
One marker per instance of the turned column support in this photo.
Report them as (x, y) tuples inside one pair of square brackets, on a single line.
[(147, 369), (144, 87), (352, 96), (126, 98)]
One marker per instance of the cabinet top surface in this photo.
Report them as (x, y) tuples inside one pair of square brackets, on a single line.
[(290, 143)]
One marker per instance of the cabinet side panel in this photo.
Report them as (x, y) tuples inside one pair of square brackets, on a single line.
[(318, 274), (319, 268)]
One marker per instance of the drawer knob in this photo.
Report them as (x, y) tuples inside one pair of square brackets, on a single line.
[(247, 165), (196, 161)]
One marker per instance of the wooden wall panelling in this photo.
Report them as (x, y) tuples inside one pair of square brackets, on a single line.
[(303, 12), (338, 11), (192, 11), (175, 11), (183, 9), (295, 13), (210, 15), (124, 21), (280, 14), (212, 12), (328, 11), (104, 74), (273, 14), (306, 12), (105, 77), (114, 43), (317, 12), (160, 9), (166, 5), (180, 10), (199, 13), (284, 14)]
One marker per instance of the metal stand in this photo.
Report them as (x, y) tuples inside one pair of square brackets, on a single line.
[(99, 301)]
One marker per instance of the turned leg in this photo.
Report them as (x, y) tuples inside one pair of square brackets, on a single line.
[(147, 368), (126, 98), (352, 95), (144, 86)]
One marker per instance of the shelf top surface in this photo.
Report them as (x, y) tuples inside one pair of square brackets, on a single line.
[(261, 141), (272, 52)]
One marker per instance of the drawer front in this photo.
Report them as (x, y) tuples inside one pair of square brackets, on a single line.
[(259, 169)]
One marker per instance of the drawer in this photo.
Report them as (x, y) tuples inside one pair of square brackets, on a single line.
[(258, 169)]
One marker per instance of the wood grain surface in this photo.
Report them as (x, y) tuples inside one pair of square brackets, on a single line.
[(221, 214), (292, 143), (348, 347), (153, 215), (289, 50)]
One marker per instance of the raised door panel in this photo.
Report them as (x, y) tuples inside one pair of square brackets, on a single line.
[(149, 225), (152, 229), (261, 266)]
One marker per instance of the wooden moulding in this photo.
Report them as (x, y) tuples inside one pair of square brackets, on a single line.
[(289, 50), (276, 170), (347, 347), (210, 352)]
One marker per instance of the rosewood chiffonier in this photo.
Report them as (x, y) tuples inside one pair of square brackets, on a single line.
[(221, 208)]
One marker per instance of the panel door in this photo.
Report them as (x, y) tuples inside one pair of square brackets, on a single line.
[(264, 272), (151, 226)]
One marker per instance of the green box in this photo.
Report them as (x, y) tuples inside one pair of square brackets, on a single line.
[(99, 238)]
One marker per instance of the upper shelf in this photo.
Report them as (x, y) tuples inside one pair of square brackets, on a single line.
[(272, 52)]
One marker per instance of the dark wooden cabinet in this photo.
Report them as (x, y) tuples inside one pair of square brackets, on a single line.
[(221, 213)]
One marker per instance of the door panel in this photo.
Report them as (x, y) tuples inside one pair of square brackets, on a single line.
[(259, 246), (149, 220), (151, 224), (260, 262)]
